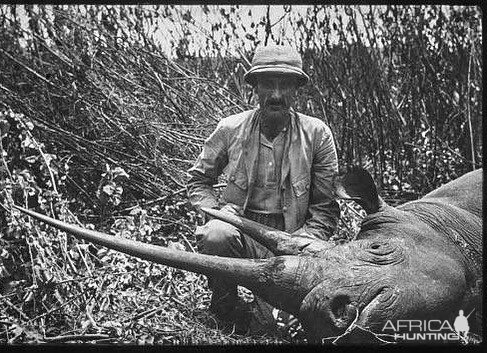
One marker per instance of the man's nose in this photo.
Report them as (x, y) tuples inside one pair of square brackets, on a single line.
[(277, 92)]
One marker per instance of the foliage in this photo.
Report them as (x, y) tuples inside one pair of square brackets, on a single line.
[(99, 85), (63, 290), (400, 80)]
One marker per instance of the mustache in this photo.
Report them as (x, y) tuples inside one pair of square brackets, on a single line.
[(272, 101)]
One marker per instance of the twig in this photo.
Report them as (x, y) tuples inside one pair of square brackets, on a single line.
[(146, 314), (89, 311), (469, 118), (66, 338), (350, 327), (3, 159), (9, 303), (187, 242), (34, 279), (180, 160), (84, 259), (355, 212), (6, 89), (178, 301), (43, 155), (78, 186), (31, 71), (379, 335), (106, 340), (199, 139), (163, 198), (59, 307), (163, 87), (151, 202)]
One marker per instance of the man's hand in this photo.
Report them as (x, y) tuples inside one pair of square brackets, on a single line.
[(301, 232), (232, 208), (229, 208)]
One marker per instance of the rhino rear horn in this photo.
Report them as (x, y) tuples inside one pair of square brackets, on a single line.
[(279, 242), (357, 185)]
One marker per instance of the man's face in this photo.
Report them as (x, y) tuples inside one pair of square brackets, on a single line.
[(276, 93)]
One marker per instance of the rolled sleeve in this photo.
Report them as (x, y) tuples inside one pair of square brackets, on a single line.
[(208, 166)]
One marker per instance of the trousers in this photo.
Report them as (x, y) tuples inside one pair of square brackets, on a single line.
[(222, 239)]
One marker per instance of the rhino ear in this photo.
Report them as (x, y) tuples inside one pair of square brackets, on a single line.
[(357, 184)]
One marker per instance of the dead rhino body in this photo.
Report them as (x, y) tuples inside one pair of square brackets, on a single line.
[(419, 261)]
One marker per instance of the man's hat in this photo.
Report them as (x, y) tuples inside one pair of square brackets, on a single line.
[(278, 60)]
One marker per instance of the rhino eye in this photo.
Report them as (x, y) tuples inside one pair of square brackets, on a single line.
[(377, 248), (381, 252)]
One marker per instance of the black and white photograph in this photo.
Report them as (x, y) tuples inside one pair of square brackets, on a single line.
[(256, 174)]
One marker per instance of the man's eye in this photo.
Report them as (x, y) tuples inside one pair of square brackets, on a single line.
[(289, 84)]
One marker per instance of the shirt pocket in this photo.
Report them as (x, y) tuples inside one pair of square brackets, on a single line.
[(301, 186), (236, 190)]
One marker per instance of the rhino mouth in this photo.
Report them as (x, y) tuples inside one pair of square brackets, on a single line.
[(375, 308), (342, 311)]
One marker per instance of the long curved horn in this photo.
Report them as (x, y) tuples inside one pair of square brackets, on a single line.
[(279, 242), (271, 278)]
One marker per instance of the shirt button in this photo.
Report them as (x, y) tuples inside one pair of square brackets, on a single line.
[(284, 209), (307, 187), (232, 178), (270, 163)]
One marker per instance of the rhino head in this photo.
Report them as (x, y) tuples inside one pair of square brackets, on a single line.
[(404, 264)]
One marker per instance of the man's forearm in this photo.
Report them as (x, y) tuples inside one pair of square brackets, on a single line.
[(201, 192), (323, 219)]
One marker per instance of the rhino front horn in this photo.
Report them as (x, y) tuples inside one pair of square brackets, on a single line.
[(269, 278)]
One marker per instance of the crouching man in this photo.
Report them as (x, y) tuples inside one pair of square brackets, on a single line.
[(279, 165)]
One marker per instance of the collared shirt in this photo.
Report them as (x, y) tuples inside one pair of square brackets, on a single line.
[(309, 161), (265, 195)]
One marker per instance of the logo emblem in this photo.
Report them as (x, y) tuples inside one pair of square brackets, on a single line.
[(431, 330)]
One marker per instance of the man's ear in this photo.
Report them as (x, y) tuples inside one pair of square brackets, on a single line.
[(253, 94)]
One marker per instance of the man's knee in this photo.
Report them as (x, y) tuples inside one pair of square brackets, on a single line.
[(219, 238)]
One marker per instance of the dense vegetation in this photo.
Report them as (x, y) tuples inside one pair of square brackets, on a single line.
[(104, 108)]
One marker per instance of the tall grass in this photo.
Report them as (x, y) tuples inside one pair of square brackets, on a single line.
[(394, 83)]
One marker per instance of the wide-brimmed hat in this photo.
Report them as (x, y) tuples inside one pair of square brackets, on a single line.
[(276, 59)]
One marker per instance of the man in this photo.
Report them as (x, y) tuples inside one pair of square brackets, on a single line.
[(461, 325), (279, 165)]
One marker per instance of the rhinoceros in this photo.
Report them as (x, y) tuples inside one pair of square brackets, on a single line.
[(419, 261)]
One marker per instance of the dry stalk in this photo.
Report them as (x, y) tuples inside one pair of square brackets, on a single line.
[(35, 73), (83, 337), (49, 312), (146, 314), (469, 118), (20, 312)]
